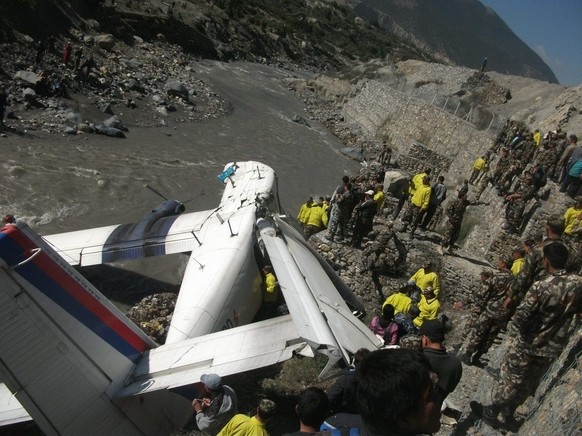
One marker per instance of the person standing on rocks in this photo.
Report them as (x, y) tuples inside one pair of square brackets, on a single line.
[(417, 206), (316, 219), (501, 168), (379, 198), (340, 214), (438, 194), (517, 202), (304, 212), (67, 51), (445, 365), (365, 213), (489, 315), (40, 50), (573, 218), (270, 293), (3, 103), (478, 167), (538, 334), (455, 212)]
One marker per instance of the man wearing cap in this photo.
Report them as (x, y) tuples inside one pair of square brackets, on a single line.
[(217, 407), (429, 307), (365, 213), (425, 277), (446, 366)]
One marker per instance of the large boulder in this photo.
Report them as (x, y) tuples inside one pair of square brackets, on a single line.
[(105, 41), (396, 182), (27, 76), (115, 123), (109, 131), (177, 89)]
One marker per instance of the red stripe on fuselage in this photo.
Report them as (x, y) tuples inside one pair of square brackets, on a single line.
[(78, 292)]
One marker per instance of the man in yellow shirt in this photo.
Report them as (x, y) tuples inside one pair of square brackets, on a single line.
[(478, 166), (316, 219), (400, 300), (270, 294), (572, 218), (426, 277), (417, 206), (243, 425), (518, 261), (416, 181), (304, 211), (537, 137), (379, 198), (429, 307)]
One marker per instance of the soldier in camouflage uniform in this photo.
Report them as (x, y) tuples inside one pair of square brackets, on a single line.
[(503, 165), (533, 267), (341, 213), (490, 316), (514, 170), (539, 332), (379, 258), (455, 211), (517, 202)]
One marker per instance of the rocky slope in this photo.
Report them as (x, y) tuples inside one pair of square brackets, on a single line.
[(462, 32)]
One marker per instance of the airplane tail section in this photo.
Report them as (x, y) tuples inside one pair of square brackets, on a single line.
[(61, 335), (320, 314)]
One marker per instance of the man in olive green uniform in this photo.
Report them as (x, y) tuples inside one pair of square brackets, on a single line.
[(539, 333), (489, 316)]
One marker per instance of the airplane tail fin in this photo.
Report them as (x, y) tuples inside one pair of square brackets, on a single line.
[(59, 334)]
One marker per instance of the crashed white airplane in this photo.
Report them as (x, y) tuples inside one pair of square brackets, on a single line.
[(79, 366)]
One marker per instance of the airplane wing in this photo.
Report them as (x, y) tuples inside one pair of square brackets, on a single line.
[(227, 352), (11, 411), (169, 235), (165, 230), (319, 312)]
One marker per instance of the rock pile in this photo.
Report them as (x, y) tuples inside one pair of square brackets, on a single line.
[(157, 78), (153, 315)]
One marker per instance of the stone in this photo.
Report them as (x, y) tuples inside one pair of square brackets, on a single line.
[(109, 131), (176, 89), (105, 41), (27, 76)]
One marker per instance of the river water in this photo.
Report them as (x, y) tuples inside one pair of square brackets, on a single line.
[(63, 183)]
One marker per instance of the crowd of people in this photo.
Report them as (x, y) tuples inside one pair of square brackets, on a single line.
[(367, 400), (535, 295), (348, 214), (57, 69)]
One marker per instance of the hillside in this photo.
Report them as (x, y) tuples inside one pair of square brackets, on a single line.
[(461, 32), (316, 35)]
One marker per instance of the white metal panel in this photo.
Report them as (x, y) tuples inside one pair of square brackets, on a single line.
[(11, 411), (348, 330), (305, 311), (86, 247), (228, 352)]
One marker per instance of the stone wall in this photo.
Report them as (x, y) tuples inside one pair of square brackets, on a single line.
[(381, 111)]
